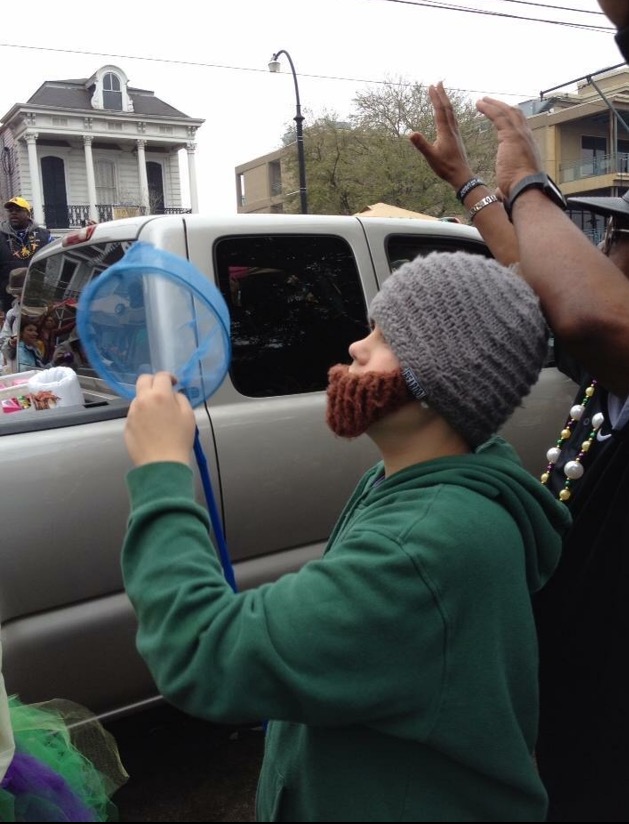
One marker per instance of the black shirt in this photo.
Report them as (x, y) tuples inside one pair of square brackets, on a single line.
[(582, 618)]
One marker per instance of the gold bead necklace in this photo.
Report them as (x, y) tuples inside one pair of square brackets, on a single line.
[(573, 470)]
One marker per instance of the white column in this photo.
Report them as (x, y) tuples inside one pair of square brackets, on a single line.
[(144, 183), (192, 177), (33, 169), (91, 179)]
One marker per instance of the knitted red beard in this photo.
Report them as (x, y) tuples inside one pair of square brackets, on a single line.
[(355, 402)]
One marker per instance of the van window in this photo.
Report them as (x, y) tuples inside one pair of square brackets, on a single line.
[(296, 303), (403, 248), (53, 287)]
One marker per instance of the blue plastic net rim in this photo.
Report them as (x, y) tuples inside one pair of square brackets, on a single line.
[(196, 286)]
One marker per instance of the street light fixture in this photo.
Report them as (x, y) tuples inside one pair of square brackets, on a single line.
[(274, 66)]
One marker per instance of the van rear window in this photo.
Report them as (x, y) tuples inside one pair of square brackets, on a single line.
[(52, 290), (403, 248)]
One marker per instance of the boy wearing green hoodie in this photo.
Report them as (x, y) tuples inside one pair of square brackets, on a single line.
[(399, 671)]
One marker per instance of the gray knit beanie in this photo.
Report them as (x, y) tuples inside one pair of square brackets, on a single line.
[(469, 334)]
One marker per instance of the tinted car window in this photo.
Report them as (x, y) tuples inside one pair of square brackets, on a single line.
[(296, 303), (402, 248)]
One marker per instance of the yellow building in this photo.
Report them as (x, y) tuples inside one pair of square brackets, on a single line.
[(259, 184), (584, 140)]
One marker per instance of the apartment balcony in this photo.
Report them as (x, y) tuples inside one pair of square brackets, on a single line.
[(73, 217), (617, 164)]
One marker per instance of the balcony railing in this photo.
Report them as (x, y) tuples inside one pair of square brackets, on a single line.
[(603, 165), (72, 217)]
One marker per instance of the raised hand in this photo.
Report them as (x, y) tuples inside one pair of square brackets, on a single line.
[(446, 156), (518, 155)]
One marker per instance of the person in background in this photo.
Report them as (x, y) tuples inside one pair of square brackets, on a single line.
[(28, 350), (582, 616), (47, 336), (20, 238), (70, 352), (12, 315), (3, 362), (9, 330), (398, 671)]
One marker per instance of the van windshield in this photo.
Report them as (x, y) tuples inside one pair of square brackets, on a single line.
[(51, 293)]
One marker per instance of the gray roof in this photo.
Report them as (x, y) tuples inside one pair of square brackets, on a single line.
[(74, 94)]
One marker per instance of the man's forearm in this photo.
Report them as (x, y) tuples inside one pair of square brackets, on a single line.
[(584, 295)]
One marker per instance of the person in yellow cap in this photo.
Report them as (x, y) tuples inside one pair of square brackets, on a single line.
[(20, 238)]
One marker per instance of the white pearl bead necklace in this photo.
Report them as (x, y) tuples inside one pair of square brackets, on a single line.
[(573, 470)]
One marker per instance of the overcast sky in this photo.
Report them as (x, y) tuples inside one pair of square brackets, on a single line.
[(210, 60)]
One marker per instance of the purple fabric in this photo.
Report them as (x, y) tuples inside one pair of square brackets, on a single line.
[(42, 794)]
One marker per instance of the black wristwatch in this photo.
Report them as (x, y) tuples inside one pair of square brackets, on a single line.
[(537, 181)]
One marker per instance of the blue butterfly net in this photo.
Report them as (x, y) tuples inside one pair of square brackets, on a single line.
[(154, 311)]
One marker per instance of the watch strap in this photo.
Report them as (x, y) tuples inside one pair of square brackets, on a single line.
[(539, 180)]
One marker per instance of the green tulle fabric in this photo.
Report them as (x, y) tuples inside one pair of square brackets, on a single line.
[(68, 739)]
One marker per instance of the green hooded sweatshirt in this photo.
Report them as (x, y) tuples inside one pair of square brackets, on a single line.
[(399, 671)]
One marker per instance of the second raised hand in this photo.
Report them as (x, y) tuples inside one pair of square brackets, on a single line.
[(446, 156), (518, 155)]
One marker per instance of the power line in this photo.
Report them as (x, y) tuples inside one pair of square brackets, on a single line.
[(200, 64), (434, 4), (468, 10), (557, 8)]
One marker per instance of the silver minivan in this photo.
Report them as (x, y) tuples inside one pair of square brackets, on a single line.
[(297, 288)]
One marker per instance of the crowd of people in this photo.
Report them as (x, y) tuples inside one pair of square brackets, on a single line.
[(30, 341), (458, 652), (41, 342)]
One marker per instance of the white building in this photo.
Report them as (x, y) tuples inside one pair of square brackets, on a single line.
[(96, 149)]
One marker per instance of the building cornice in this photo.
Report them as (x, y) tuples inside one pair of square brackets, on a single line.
[(97, 114)]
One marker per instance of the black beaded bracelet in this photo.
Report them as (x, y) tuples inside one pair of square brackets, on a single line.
[(466, 188)]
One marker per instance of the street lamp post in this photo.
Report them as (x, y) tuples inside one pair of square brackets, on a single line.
[(274, 66)]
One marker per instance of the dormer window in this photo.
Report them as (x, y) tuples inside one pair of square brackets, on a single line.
[(112, 92), (109, 89)]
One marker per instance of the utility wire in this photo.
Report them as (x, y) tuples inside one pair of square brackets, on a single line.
[(558, 8), (468, 10), (427, 4), (238, 68)]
